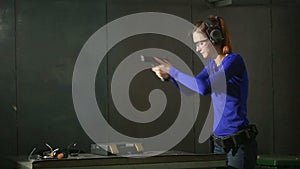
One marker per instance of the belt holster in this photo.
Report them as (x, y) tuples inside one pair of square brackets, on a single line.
[(241, 137)]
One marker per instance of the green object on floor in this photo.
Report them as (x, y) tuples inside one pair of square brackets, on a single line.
[(278, 161)]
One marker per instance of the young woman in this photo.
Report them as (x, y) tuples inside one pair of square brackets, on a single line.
[(232, 133)]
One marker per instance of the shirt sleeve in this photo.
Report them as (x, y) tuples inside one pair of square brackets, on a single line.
[(199, 84), (232, 71)]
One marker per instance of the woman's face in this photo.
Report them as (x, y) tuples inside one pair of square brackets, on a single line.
[(203, 45)]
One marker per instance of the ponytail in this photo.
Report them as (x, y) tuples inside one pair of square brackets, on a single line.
[(226, 45)]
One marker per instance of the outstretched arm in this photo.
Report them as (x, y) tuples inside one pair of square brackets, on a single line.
[(199, 84)]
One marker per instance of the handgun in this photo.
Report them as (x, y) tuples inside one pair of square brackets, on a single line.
[(149, 59)]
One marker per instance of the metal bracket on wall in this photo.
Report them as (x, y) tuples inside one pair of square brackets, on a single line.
[(218, 3)]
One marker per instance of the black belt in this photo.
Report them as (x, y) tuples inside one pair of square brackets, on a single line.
[(239, 138)]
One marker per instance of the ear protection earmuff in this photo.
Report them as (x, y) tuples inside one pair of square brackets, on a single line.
[(214, 31), (58, 154), (47, 154)]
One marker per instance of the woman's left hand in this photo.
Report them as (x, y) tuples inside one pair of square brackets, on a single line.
[(163, 69)]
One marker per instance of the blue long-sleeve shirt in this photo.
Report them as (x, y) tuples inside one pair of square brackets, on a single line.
[(228, 86)]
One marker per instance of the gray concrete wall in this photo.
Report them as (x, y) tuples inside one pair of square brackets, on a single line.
[(41, 40)]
